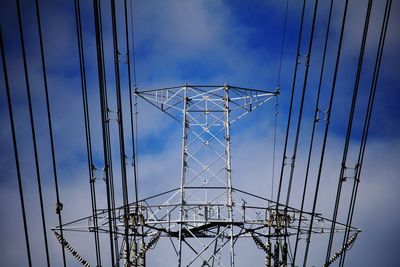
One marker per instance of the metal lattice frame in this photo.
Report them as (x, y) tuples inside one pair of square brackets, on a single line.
[(201, 217)]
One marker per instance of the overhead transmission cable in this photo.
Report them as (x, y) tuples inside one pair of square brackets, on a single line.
[(276, 98), (349, 128), (367, 121), (105, 131), (321, 161), (124, 180), (283, 42), (303, 94), (284, 247), (291, 105), (316, 119), (135, 104), (33, 132), (129, 52), (107, 137), (276, 111), (50, 126), (91, 168), (132, 113), (16, 156)]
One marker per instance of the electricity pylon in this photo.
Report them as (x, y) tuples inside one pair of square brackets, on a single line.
[(202, 216)]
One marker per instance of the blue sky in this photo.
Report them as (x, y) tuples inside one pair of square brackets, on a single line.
[(199, 42)]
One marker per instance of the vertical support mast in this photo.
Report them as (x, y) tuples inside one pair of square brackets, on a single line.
[(228, 170), (185, 125)]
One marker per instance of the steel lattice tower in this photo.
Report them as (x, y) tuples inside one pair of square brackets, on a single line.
[(202, 217)]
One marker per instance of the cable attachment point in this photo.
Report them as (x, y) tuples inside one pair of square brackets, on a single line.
[(97, 173), (129, 161), (299, 57), (303, 59), (317, 115), (307, 60), (350, 173), (327, 111), (112, 115), (288, 161), (122, 57), (59, 207)]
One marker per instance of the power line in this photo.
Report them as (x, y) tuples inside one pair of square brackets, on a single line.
[(131, 52), (321, 161), (33, 132), (49, 120), (283, 42), (105, 130), (349, 126), (291, 104), (92, 178), (316, 114), (11, 117), (300, 117), (367, 121), (120, 128)]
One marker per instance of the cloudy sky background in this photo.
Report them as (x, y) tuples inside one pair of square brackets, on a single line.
[(199, 42)]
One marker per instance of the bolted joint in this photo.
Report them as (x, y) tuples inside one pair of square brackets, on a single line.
[(59, 207)]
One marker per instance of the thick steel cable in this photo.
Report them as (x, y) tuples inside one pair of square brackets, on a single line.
[(291, 106), (367, 122), (283, 42), (289, 118), (131, 52), (300, 117), (131, 93), (104, 118), (108, 139), (349, 127), (316, 114), (50, 126), (33, 131), (87, 131), (134, 129), (121, 138), (133, 44), (14, 138), (135, 104), (276, 113), (321, 161)]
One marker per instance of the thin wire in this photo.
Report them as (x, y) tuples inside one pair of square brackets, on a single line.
[(14, 138), (130, 99), (104, 110), (283, 42), (321, 162), (290, 113), (367, 122), (291, 104), (313, 131), (133, 46), (349, 127), (109, 165), (300, 117), (136, 134), (136, 159), (33, 132), (87, 131), (124, 180), (276, 113), (53, 156)]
